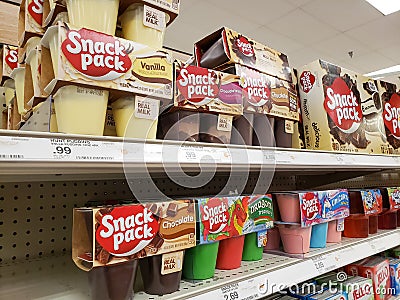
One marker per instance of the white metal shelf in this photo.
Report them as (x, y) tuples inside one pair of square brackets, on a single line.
[(37, 153), (58, 278)]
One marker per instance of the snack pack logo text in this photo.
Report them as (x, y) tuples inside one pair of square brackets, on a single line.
[(311, 206), (244, 46), (215, 218), (198, 84), (35, 9), (12, 58), (97, 56), (257, 87), (307, 80), (391, 115), (126, 230), (342, 106)]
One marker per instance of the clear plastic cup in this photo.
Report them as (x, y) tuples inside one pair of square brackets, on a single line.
[(131, 125), (134, 29), (81, 110), (99, 15), (19, 78)]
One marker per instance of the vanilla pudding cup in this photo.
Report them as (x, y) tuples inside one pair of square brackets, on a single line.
[(9, 91), (80, 110), (99, 15), (33, 61), (19, 79), (54, 49), (136, 117), (32, 43), (135, 28)]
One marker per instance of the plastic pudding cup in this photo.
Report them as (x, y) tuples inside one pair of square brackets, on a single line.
[(32, 43), (81, 110), (319, 234), (295, 239), (251, 251), (19, 78), (387, 220), (9, 95), (127, 124), (334, 236), (356, 226), (200, 261), (54, 51), (274, 239), (230, 253), (180, 125), (113, 282), (133, 28), (289, 207), (98, 15), (32, 60)]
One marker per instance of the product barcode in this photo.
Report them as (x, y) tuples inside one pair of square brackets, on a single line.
[(13, 156), (84, 157)]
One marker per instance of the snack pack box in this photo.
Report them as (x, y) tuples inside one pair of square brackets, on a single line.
[(266, 94), (368, 202), (390, 97), (225, 217), (394, 265), (226, 46), (358, 288), (93, 59), (206, 90), (30, 20), (113, 234), (394, 198), (8, 61), (377, 268), (341, 110)]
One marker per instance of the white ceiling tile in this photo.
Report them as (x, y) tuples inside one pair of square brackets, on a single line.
[(391, 52), (340, 45), (378, 33), (342, 14), (176, 36), (275, 40), (372, 61), (348, 64), (306, 55), (257, 11), (302, 27), (298, 3)]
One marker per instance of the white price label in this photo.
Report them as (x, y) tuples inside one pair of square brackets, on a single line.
[(269, 155), (188, 154), (325, 263), (224, 123), (230, 292)]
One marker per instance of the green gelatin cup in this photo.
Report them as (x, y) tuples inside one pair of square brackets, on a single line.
[(200, 261), (251, 251)]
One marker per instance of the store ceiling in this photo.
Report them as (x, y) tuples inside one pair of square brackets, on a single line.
[(303, 29)]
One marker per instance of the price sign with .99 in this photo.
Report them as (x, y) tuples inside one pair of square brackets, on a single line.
[(60, 150)]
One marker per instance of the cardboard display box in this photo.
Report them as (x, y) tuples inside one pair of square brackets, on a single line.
[(8, 61)]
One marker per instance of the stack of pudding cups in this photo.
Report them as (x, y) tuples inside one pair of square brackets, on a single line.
[(82, 110), (135, 28), (18, 75)]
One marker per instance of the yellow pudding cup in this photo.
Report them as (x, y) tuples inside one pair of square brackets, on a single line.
[(54, 49), (80, 110), (32, 43), (99, 15), (134, 29), (19, 79), (33, 61), (132, 121)]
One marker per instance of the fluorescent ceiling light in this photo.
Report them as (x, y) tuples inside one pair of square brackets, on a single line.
[(385, 6), (385, 72)]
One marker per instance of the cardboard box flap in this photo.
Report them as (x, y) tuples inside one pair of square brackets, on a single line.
[(50, 15), (30, 21)]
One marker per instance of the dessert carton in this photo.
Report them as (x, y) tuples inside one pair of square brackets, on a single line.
[(226, 46), (113, 234), (390, 97), (89, 58), (30, 20), (8, 61), (341, 110), (225, 217)]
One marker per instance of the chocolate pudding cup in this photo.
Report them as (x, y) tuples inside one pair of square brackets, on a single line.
[(242, 133), (155, 283), (181, 125), (263, 131), (209, 131), (113, 282)]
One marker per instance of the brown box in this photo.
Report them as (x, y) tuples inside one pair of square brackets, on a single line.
[(8, 61), (390, 97), (114, 64), (206, 90), (226, 46), (341, 110), (113, 234), (266, 94), (30, 20)]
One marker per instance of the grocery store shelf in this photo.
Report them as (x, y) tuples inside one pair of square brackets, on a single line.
[(58, 278), (56, 154)]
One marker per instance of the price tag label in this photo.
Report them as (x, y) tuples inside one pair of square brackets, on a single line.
[(230, 292), (19, 148), (340, 225), (269, 155), (325, 263), (188, 154)]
